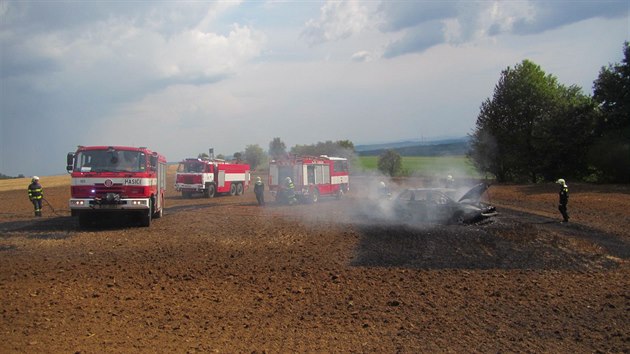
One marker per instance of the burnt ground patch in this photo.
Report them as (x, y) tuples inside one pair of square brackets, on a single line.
[(511, 240)]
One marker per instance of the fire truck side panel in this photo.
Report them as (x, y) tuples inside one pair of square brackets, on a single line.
[(277, 174), (273, 175), (161, 190), (221, 182), (303, 179), (298, 176)]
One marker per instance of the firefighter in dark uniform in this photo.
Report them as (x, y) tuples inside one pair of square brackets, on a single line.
[(564, 199), (259, 190), (36, 194)]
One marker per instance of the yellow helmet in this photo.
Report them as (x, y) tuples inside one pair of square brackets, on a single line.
[(34, 179), (561, 181)]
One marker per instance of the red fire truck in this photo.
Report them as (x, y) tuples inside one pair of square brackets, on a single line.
[(116, 179), (312, 176), (211, 176)]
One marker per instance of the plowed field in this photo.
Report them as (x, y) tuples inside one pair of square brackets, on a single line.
[(224, 275)]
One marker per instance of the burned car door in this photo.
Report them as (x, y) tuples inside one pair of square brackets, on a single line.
[(441, 207)]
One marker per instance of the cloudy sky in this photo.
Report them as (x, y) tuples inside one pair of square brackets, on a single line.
[(180, 77)]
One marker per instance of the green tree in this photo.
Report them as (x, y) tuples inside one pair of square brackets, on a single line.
[(277, 149), (389, 162), (532, 128), (238, 156), (566, 135), (203, 155), (346, 149), (340, 148), (254, 156), (610, 153)]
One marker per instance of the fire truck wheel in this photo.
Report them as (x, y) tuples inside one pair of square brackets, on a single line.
[(239, 189), (145, 218), (209, 192), (158, 214), (315, 196), (232, 189)]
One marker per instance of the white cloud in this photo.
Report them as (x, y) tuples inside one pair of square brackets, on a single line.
[(215, 9), (362, 56), (338, 20), (197, 55)]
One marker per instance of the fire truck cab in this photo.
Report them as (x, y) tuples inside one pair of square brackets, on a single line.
[(116, 179), (211, 176), (312, 176)]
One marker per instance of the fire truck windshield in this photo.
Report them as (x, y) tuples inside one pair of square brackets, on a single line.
[(110, 161), (191, 167)]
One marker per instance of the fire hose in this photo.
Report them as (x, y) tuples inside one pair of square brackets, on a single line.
[(51, 207)]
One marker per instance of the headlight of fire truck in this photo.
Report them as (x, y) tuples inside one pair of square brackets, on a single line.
[(77, 202), (138, 202)]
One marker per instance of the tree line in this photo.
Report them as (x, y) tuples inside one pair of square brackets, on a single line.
[(534, 129), (255, 156)]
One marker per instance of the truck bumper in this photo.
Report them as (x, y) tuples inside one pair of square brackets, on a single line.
[(138, 204), (189, 187)]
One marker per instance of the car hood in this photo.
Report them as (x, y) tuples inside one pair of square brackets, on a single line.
[(474, 194)]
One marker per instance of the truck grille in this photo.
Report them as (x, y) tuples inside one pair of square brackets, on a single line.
[(189, 179), (100, 189)]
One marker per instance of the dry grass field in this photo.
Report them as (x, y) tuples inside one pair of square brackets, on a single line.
[(22, 183)]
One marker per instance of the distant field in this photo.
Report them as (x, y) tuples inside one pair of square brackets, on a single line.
[(22, 183), (429, 165)]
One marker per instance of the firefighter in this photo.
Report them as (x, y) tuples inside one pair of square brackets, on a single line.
[(383, 191), (564, 199), (288, 191), (450, 181), (130, 161), (259, 190), (288, 183), (35, 195)]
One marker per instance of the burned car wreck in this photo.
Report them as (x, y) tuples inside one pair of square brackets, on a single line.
[(434, 205)]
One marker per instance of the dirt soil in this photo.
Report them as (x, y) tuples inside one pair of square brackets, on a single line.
[(224, 275)]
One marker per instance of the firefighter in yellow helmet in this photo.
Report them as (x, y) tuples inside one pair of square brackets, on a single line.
[(287, 192), (564, 199), (36, 194)]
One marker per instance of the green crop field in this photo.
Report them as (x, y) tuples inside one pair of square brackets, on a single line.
[(428, 165)]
